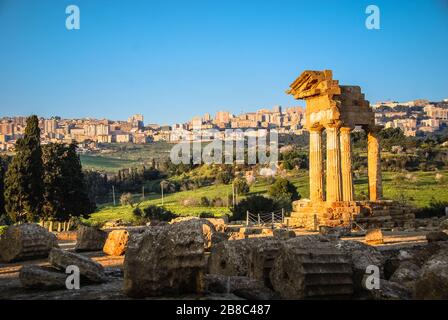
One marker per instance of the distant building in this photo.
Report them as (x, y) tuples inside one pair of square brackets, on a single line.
[(136, 121)]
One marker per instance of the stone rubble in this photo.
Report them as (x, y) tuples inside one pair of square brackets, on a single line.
[(26, 241), (90, 239), (166, 260)]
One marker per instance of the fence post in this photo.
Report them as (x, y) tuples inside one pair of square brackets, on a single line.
[(247, 218), (283, 215), (259, 222), (273, 220)]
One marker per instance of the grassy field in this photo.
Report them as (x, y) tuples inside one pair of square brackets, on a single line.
[(106, 164), (418, 188), (118, 156)]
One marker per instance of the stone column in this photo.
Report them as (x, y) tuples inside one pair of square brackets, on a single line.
[(316, 168), (334, 191), (346, 165), (374, 166)]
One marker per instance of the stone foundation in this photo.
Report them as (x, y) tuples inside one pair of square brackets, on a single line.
[(367, 214)]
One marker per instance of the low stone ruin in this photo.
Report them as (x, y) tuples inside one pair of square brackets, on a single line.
[(90, 239), (308, 267), (88, 269), (54, 276), (118, 239), (116, 242), (166, 260), (26, 241), (210, 227)]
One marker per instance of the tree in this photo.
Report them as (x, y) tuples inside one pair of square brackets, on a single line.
[(24, 184), (283, 189), (152, 213), (253, 204), (241, 186), (3, 167), (223, 177), (65, 191)]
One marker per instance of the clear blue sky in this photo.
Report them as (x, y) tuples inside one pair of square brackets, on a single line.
[(171, 60)]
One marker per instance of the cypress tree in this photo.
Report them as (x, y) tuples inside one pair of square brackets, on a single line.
[(78, 203), (24, 185), (2, 186), (65, 189)]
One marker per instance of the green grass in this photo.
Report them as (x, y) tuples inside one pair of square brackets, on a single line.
[(106, 164), (418, 189), (3, 229), (116, 156)]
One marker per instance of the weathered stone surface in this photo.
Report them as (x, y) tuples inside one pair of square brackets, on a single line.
[(236, 236), (244, 287), (165, 260), (261, 260), (90, 239), (334, 231), (231, 258), (436, 236), (210, 234), (361, 256), (443, 225), (36, 277), (391, 291), (406, 274), (218, 223), (116, 242), (433, 282), (374, 236), (283, 234), (88, 269), (309, 268), (26, 241)]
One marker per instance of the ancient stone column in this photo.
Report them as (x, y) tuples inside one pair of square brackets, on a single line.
[(334, 191), (346, 164), (316, 168), (374, 166)]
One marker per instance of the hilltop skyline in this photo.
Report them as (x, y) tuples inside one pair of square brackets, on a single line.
[(171, 62)]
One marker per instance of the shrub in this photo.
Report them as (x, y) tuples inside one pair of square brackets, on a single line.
[(152, 213), (283, 189), (206, 214), (254, 204), (436, 208), (205, 202), (223, 177), (241, 186)]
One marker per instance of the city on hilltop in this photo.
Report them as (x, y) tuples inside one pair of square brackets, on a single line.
[(414, 118)]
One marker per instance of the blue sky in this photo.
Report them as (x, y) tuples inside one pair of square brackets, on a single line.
[(171, 60)]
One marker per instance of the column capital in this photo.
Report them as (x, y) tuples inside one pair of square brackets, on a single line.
[(334, 125), (316, 129), (346, 129)]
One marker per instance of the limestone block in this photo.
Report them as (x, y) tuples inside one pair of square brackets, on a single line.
[(26, 241), (165, 260)]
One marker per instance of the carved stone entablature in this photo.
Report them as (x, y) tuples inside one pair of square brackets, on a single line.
[(327, 102)]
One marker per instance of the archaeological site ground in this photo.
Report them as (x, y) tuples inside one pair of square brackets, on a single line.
[(223, 158)]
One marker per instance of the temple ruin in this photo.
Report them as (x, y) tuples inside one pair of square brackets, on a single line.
[(337, 110)]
